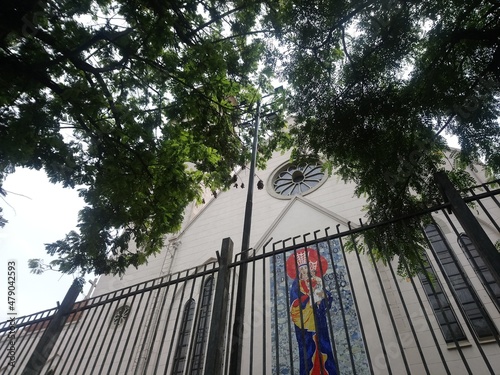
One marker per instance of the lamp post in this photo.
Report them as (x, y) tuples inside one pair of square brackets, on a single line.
[(237, 338), (247, 224)]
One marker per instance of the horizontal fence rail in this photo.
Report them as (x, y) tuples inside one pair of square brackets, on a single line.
[(311, 305)]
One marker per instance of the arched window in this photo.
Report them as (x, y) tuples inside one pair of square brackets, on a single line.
[(443, 311), (463, 291), (483, 273), (199, 347), (183, 341)]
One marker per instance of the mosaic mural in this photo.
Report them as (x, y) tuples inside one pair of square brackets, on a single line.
[(315, 325)]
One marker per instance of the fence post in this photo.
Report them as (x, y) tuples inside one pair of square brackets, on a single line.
[(476, 233), (49, 338), (215, 352)]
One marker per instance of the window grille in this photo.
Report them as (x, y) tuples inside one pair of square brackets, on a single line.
[(202, 330), (443, 311), (466, 297), (183, 341), (483, 273)]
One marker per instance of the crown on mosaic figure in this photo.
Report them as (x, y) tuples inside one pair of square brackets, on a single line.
[(301, 259)]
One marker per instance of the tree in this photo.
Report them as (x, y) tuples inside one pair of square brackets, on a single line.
[(135, 103), (375, 83), (147, 87)]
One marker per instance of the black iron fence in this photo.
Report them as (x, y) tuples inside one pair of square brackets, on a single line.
[(311, 307)]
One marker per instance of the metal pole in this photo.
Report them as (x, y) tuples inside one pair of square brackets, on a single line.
[(49, 338), (237, 341), (476, 233), (215, 355), (247, 224)]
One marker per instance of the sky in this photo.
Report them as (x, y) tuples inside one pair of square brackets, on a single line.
[(38, 212)]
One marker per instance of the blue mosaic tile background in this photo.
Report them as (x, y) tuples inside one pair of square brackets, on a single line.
[(347, 339)]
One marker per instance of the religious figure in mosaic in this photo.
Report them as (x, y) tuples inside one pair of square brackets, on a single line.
[(310, 302)]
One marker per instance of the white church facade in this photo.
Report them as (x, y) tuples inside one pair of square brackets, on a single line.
[(311, 306)]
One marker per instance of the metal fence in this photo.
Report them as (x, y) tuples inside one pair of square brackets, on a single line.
[(310, 306), (127, 331)]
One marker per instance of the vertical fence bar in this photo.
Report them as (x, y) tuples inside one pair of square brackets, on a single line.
[(127, 325), (252, 317), (230, 323), (408, 317), (371, 303), (288, 316), (196, 319), (78, 334), (426, 316), (171, 348), (264, 334), (215, 353), (354, 297), (389, 311), (51, 334), (275, 317), (341, 304), (493, 198), (165, 329)]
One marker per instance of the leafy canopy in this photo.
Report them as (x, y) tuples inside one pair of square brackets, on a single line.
[(375, 83), (133, 102), (147, 87)]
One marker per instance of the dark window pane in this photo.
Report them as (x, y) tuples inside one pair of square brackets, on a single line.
[(452, 332), (440, 304), (481, 327), (480, 268), (464, 293)]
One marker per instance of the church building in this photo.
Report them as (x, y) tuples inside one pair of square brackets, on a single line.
[(303, 300)]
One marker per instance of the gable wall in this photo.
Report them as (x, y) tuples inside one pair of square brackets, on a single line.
[(222, 217)]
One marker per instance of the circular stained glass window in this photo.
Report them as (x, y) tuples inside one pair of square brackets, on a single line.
[(293, 180), (121, 314)]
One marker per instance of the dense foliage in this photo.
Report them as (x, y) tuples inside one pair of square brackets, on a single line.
[(136, 103), (146, 87), (375, 85)]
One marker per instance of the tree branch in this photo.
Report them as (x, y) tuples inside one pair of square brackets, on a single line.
[(239, 35), (163, 69), (74, 55), (219, 17)]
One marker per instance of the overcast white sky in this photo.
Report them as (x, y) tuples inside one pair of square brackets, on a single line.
[(45, 215)]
